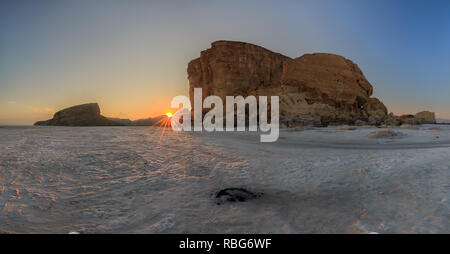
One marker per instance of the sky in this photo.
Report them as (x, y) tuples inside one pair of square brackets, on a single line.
[(131, 56)]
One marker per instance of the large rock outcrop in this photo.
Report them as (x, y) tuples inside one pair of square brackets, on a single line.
[(80, 115), (314, 89)]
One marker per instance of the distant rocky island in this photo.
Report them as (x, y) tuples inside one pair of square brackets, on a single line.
[(89, 115), (80, 115), (317, 89)]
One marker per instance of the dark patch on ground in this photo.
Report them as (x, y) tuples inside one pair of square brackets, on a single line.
[(235, 195)]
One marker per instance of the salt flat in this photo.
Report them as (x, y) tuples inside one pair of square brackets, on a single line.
[(146, 180)]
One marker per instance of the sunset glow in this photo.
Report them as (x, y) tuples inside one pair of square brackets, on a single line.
[(169, 114), (68, 63)]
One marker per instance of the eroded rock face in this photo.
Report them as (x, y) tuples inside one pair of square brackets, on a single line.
[(392, 120), (376, 109), (425, 117), (80, 115), (314, 89)]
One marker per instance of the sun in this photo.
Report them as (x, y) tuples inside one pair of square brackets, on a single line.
[(169, 114)]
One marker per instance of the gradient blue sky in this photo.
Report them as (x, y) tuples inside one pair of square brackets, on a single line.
[(131, 56)]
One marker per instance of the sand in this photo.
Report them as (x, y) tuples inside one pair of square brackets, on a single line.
[(143, 180)]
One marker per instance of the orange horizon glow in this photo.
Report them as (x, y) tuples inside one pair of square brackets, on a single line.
[(111, 55)]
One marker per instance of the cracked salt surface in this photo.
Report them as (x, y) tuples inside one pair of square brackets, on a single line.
[(143, 180)]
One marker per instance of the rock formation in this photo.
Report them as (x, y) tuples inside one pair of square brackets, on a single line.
[(235, 195), (392, 120), (425, 117), (314, 89), (383, 134), (442, 121), (81, 115)]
